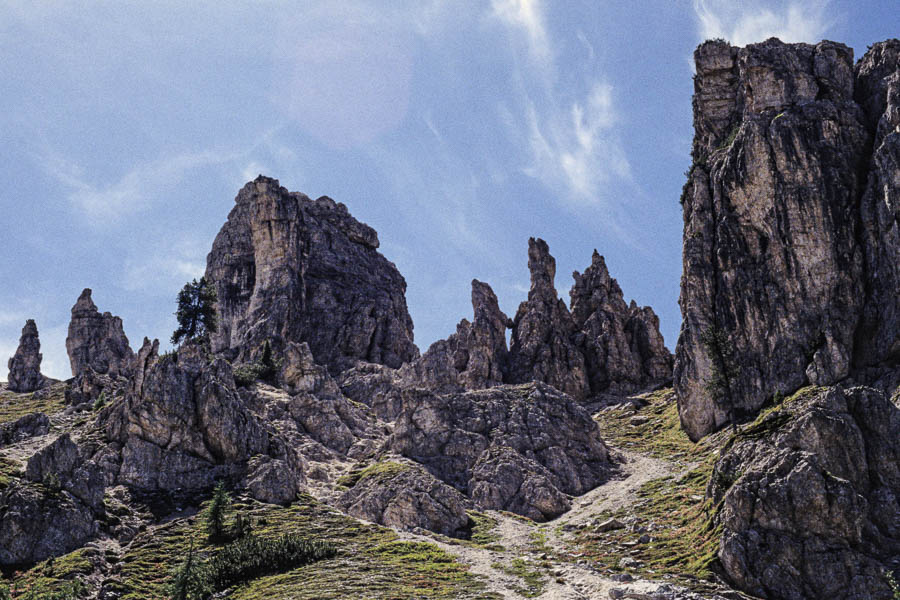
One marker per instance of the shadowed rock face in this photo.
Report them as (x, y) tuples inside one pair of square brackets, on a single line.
[(96, 341), (291, 269), (25, 365), (809, 498), (623, 349), (490, 443), (542, 346), (789, 239)]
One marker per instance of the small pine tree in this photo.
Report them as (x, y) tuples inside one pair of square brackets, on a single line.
[(241, 527), (215, 514), (268, 368), (725, 369), (196, 311), (187, 583)]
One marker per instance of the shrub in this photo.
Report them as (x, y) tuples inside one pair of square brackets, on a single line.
[(266, 368), (251, 557), (187, 582), (101, 401)]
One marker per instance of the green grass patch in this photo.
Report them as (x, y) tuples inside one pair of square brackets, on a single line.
[(54, 578), (9, 470), (370, 561), (383, 470), (484, 534), (531, 576), (15, 406)]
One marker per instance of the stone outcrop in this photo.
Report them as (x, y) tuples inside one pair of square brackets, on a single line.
[(542, 347), (789, 234), (97, 341), (291, 269), (406, 496), (809, 497), (188, 427), (556, 438), (624, 351), (25, 364), (31, 425), (473, 358)]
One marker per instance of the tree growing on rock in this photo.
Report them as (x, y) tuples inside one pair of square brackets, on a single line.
[(196, 311), (724, 371)]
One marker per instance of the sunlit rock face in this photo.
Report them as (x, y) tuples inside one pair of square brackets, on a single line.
[(790, 240), (291, 269)]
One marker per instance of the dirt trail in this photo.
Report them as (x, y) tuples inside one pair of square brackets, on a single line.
[(522, 540)]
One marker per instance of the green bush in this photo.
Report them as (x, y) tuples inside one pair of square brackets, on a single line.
[(187, 582), (266, 369), (251, 557), (101, 401), (215, 514)]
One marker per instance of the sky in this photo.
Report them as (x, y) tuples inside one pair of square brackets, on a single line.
[(456, 128)]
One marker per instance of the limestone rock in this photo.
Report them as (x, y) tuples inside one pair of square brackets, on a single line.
[(810, 495), (70, 468), (542, 346), (31, 425), (291, 269), (450, 433), (779, 253), (188, 426), (36, 524), (406, 496), (25, 365), (473, 358), (623, 348), (503, 479), (376, 386), (97, 341)]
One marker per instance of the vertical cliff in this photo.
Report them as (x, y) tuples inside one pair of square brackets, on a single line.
[(790, 241)]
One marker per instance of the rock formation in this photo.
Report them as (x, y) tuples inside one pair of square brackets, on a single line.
[(97, 341), (556, 441), (781, 257), (473, 358), (542, 346), (25, 365), (623, 349), (809, 497), (291, 269), (406, 496)]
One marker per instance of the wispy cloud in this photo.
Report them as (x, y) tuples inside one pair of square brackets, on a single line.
[(578, 148), (106, 203), (169, 267), (528, 16), (743, 23)]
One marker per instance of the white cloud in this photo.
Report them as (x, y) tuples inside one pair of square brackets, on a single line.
[(106, 203), (743, 23), (168, 268), (577, 148), (528, 16)]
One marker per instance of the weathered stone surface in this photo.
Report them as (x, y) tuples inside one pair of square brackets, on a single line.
[(777, 253), (406, 496), (376, 386), (291, 269), (188, 427), (473, 358), (503, 479), (25, 364), (542, 346), (36, 524), (65, 464), (810, 497), (30, 425), (97, 341), (448, 434), (623, 349)]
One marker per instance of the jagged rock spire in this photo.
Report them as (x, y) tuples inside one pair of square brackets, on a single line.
[(25, 364), (96, 341)]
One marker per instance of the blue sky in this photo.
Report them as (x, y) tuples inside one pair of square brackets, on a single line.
[(456, 128)]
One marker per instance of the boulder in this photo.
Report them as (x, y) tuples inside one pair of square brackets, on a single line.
[(809, 497), (558, 443), (25, 365), (31, 425), (97, 341), (405, 496), (291, 269)]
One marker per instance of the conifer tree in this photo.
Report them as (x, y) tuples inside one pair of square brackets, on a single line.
[(196, 311)]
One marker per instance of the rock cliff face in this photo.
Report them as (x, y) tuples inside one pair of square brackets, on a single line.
[(291, 269), (623, 349), (809, 497), (25, 365), (789, 239), (96, 341)]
